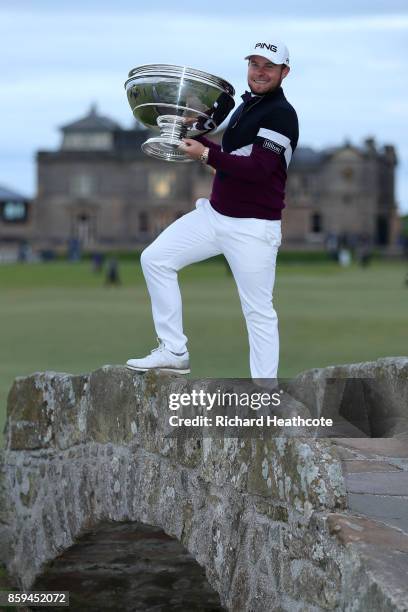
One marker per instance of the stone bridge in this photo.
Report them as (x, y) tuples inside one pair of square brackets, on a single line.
[(284, 523)]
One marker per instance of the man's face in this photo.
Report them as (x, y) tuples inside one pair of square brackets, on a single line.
[(263, 75)]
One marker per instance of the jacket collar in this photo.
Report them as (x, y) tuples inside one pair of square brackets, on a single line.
[(276, 93)]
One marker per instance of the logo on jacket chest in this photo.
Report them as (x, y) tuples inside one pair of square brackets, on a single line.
[(273, 146)]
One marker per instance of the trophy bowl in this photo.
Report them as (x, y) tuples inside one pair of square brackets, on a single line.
[(178, 102)]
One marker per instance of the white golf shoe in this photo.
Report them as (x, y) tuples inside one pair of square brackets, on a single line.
[(162, 359)]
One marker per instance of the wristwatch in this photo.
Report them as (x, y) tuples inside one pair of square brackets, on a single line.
[(204, 156)]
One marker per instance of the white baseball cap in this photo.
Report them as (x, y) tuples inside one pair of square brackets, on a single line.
[(274, 50)]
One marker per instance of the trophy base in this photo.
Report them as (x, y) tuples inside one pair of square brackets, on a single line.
[(166, 149)]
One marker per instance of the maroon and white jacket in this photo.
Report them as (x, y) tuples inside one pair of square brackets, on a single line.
[(251, 165)]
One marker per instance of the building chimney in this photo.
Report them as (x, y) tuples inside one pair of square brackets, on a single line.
[(390, 154), (370, 145)]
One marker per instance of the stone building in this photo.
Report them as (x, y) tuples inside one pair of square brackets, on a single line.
[(100, 189), (346, 192)]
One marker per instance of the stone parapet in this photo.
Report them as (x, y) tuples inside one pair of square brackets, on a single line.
[(269, 520)]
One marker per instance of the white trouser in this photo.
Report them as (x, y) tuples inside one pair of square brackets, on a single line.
[(250, 247)]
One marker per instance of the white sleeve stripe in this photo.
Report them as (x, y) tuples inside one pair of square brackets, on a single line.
[(274, 136), (288, 155), (246, 151)]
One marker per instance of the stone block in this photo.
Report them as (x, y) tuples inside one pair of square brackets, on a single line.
[(383, 483), (44, 411)]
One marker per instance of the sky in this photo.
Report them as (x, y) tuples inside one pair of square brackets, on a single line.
[(349, 62)]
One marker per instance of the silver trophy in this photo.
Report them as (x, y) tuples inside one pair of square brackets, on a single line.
[(179, 102)]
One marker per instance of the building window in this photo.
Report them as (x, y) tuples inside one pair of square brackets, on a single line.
[(87, 142), (14, 212), (162, 185), (82, 185), (84, 229), (347, 173), (382, 230), (316, 223), (143, 222)]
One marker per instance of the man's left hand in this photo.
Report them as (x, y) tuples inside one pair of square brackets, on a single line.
[(192, 148)]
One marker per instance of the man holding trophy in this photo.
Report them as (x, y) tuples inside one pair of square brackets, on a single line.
[(241, 219)]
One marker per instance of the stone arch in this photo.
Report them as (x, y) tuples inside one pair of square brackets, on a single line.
[(129, 566)]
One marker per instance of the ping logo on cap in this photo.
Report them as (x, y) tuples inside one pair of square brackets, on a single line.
[(273, 48)]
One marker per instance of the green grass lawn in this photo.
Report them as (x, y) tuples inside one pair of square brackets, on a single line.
[(59, 316)]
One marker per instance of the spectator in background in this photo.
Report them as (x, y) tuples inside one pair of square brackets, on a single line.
[(112, 272), (97, 262), (363, 250), (332, 246)]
